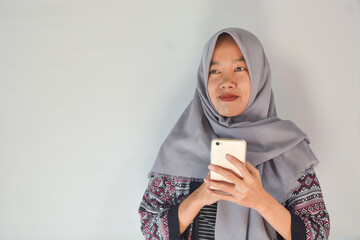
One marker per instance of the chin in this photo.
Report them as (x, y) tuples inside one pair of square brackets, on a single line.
[(229, 110), (231, 114)]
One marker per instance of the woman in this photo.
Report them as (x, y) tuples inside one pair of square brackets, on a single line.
[(278, 197)]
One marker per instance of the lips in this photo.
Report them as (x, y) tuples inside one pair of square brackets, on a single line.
[(228, 97)]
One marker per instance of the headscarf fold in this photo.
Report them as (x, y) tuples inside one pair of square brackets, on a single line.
[(276, 147)]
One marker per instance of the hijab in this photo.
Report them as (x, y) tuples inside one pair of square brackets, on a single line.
[(276, 147)]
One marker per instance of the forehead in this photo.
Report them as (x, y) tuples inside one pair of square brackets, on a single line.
[(224, 38), (226, 49)]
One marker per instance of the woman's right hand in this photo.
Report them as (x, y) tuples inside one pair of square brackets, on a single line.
[(202, 195), (190, 207)]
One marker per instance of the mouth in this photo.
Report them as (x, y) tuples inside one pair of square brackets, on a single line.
[(228, 97)]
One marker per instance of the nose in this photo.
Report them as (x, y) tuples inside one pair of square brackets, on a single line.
[(227, 82)]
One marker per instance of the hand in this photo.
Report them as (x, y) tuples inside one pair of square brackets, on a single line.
[(203, 196), (247, 190), (191, 206)]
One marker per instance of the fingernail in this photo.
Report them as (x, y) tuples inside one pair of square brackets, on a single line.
[(211, 167), (228, 157), (205, 180)]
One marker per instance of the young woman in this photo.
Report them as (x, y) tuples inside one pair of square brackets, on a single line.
[(278, 195)]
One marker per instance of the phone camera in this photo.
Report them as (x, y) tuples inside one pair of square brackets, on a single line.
[(217, 143)]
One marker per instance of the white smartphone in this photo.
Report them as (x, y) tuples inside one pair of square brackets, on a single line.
[(219, 148)]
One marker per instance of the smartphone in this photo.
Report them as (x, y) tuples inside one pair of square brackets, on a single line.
[(219, 148)]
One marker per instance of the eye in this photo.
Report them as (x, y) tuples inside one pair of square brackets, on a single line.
[(240, 69), (213, 71)]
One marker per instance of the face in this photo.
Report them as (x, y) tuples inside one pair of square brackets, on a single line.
[(229, 84)]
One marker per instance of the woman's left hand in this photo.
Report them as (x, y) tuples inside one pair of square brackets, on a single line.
[(247, 190)]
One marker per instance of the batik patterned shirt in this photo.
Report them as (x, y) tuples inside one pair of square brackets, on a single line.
[(159, 208)]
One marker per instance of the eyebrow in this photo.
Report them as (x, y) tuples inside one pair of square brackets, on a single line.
[(236, 60)]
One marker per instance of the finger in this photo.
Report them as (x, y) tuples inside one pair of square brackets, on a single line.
[(239, 165), (207, 178), (226, 173), (253, 170), (221, 196), (221, 185)]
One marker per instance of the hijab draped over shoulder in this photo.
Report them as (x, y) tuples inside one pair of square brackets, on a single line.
[(276, 147)]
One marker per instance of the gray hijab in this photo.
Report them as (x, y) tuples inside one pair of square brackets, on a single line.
[(276, 147)]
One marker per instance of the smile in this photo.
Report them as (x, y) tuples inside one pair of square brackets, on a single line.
[(228, 97)]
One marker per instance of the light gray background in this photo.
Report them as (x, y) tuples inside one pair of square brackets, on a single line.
[(90, 89)]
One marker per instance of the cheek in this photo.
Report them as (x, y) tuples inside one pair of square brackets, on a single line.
[(211, 90), (249, 89), (245, 87)]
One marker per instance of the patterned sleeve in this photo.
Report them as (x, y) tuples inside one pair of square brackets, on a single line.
[(159, 206), (307, 207)]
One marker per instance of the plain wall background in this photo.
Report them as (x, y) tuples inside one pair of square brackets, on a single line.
[(90, 89)]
